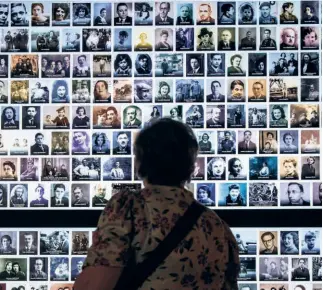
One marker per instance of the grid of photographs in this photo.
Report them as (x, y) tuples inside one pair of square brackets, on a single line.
[(47, 259), (78, 80)]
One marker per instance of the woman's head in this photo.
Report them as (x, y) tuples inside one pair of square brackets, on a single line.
[(278, 113), (203, 192), (290, 239), (235, 166), (165, 153)]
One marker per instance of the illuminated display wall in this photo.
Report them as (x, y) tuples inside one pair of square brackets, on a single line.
[(78, 80)]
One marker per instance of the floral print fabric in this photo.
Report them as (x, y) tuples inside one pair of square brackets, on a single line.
[(207, 259)]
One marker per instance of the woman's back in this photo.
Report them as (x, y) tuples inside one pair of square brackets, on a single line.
[(198, 261), (206, 259)]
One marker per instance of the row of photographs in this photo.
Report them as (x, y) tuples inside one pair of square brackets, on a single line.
[(251, 242), (121, 142), (242, 286), (139, 116), (251, 269), (159, 39), (88, 168), (164, 13), (252, 90), (267, 266), (229, 195), (162, 64)]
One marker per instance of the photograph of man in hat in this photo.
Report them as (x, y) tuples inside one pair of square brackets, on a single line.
[(205, 41)]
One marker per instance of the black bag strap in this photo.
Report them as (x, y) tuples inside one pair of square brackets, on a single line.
[(133, 278)]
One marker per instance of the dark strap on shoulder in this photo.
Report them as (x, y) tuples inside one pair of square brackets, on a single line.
[(132, 279)]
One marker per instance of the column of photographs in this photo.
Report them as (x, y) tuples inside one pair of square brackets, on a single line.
[(74, 95), (281, 258)]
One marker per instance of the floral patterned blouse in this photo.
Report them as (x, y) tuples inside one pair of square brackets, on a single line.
[(207, 259)]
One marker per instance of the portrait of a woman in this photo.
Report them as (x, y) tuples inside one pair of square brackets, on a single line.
[(81, 120), (60, 92), (289, 243), (101, 93)]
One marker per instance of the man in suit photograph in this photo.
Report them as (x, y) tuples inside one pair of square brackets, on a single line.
[(216, 120), (195, 66), (215, 64), (99, 200), (78, 197), (248, 42), (31, 120), (295, 193), (131, 119), (258, 92), (226, 43), (27, 244), (162, 18), (113, 118), (122, 144), (247, 146), (122, 12), (59, 200), (268, 240), (39, 148), (301, 272), (198, 172), (216, 95), (38, 273)]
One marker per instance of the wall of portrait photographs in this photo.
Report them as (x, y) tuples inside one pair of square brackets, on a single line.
[(53, 258), (79, 79)]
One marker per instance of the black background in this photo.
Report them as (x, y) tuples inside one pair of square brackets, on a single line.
[(88, 218)]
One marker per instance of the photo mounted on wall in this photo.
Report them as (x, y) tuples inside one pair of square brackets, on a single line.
[(189, 91), (304, 116), (45, 40), (263, 194), (263, 168), (247, 13), (102, 14), (14, 40), (283, 90), (310, 141), (169, 65), (81, 14), (117, 168), (227, 13), (247, 38), (184, 39), (55, 169), (87, 169), (310, 89), (310, 12), (205, 193), (55, 66), (143, 13), (20, 14), (96, 39), (24, 66), (61, 14), (71, 40)]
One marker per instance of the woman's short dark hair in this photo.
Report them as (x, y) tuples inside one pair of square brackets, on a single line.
[(166, 152)]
